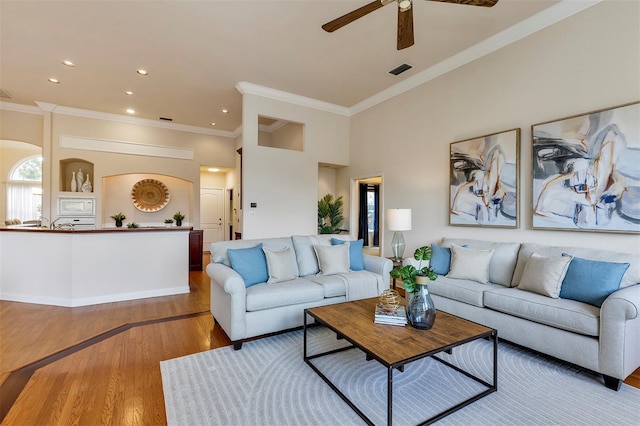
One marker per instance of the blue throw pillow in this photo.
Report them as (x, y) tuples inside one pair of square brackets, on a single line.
[(591, 281), (356, 259), (441, 259), (250, 263)]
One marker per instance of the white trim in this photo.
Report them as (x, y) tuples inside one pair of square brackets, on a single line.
[(279, 95), (121, 147), (140, 121), (533, 24), (85, 301), (10, 106)]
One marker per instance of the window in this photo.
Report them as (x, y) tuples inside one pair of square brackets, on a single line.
[(24, 190)]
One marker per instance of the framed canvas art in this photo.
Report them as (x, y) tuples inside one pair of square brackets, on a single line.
[(586, 171), (484, 180)]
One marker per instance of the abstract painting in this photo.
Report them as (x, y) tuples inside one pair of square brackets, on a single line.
[(586, 171), (484, 180)]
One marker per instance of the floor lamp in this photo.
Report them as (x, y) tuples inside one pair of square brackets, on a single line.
[(398, 220)]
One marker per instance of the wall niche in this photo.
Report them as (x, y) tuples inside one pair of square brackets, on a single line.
[(279, 133), (71, 166)]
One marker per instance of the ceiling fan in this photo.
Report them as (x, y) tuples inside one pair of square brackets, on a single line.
[(405, 16)]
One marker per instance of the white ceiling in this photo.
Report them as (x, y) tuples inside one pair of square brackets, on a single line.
[(197, 51)]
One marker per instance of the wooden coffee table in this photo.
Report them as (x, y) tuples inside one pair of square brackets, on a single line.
[(394, 346)]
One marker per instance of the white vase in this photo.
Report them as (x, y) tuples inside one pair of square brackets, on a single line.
[(86, 186), (74, 183), (79, 180)]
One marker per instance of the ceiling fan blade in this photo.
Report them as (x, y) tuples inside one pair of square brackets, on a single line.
[(405, 29), (485, 3), (352, 16)]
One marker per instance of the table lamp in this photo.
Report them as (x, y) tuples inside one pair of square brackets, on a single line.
[(398, 220)]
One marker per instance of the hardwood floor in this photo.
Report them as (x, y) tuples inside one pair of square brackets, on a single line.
[(101, 364)]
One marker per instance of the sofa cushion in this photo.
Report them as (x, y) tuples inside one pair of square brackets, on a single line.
[(280, 264), (592, 281), (333, 259), (356, 258), (631, 277), (268, 296), (305, 255), (219, 249), (503, 261), (466, 291), (470, 264), (544, 275), (333, 285), (250, 263), (565, 314)]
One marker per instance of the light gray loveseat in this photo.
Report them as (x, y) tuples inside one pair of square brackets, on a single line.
[(603, 339), (245, 312)]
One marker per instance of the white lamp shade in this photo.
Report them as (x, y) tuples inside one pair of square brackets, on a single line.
[(399, 219)]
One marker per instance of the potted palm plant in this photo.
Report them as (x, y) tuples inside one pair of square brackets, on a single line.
[(421, 311), (179, 217), (119, 217), (330, 215)]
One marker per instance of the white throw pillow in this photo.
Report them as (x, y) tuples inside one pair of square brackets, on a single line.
[(469, 264), (279, 265), (333, 259), (544, 275)]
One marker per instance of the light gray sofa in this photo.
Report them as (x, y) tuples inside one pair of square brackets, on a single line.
[(245, 312), (605, 340)]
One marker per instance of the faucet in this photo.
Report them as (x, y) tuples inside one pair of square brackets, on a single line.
[(53, 223)]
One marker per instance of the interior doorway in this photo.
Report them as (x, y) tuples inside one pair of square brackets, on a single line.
[(212, 215), (366, 208)]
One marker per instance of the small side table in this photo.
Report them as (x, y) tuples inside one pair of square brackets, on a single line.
[(396, 263)]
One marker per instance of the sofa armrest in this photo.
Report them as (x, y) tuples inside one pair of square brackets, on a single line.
[(620, 332), (228, 300), (227, 278), (380, 266)]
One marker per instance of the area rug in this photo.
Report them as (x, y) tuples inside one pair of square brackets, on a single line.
[(268, 383)]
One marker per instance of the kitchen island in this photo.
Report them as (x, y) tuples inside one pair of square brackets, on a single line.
[(87, 267)]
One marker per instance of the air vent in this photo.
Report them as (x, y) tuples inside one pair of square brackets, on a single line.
[(400, 69), (5, 94), (165, 119)]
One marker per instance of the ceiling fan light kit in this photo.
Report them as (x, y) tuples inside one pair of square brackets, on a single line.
[(405, 16)]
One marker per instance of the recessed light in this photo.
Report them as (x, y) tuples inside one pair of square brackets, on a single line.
[(142, 72), (131, 111), (225, 111), (68, 63), (213, 124), (213, 170), (54, 80), (128, 93)]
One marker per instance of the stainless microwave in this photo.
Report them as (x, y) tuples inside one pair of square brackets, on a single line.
[(76, 206)]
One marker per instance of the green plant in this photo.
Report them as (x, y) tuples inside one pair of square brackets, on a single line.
[(178, 216), (330, 215), (168, 221), (132, 225), (408, 273), (119, 216)]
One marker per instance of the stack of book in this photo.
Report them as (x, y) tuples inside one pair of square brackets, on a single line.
[(396, 316)]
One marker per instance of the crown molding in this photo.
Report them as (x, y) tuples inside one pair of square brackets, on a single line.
[(140, 121), (29, 109), (531, 25), (253, 89)]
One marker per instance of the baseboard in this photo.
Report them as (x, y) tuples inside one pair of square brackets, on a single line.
[(85, 301)]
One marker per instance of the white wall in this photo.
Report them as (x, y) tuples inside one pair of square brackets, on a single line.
[(587, 62), (284, 183)]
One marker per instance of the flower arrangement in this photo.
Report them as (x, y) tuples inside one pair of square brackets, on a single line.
[(409, 274), (132, 225), (168, 221), (178, 216)]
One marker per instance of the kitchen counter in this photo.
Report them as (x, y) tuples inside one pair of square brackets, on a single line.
[(84, 267), (21, 228)]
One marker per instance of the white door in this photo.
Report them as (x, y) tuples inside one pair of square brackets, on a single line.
[(211, 216)]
